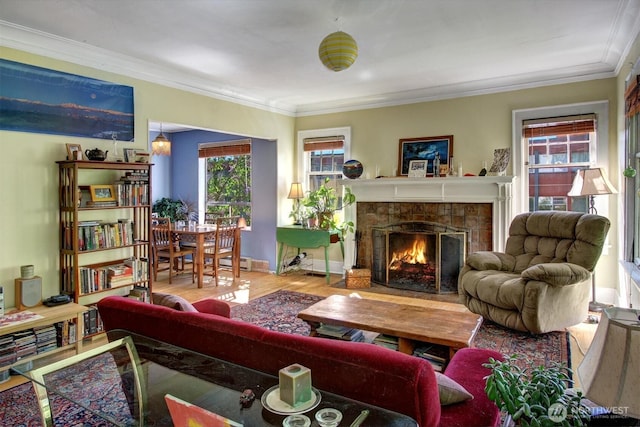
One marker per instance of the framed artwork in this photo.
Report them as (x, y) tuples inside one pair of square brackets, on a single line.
[(417, 168), (501, 157), (74, 152), (424, 149), (141, 157), (129, 155), (102, 193), (40, 100)]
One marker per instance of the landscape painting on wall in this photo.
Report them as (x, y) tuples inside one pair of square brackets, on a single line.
[(38, 100), (427, 149)]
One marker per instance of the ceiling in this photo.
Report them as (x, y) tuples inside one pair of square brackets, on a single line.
[(263, 53)]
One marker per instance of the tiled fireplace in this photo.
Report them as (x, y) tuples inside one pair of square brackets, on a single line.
[(480, 205), (418, 255)]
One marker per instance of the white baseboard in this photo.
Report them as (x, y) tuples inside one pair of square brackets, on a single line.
[(245, 263)]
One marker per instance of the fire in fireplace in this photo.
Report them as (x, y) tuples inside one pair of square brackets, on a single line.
[(420, 256)]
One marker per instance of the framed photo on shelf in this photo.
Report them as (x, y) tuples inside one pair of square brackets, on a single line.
[(102, 193), (424, 149), (141, 157), (74, 152), (129, 155), (417, 169)]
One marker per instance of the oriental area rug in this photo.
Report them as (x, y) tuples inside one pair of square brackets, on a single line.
[(94, 382), (278, 310)]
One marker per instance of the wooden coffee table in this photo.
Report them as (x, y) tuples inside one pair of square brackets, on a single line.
[(410, 324)]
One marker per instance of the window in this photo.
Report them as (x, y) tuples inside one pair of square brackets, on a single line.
[(324, 158), (323, 154), (227, 180), (632, 153), (557, 148)]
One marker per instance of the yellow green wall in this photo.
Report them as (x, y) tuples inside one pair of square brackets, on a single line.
[(479, 124), (28, 172)]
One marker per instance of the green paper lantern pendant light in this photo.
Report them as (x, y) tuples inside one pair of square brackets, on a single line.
[(338, 51)]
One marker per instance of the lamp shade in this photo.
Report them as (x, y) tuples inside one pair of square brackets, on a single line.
[(610, 369), (296, 191), (161, 146), (338, 51), (591, 182)]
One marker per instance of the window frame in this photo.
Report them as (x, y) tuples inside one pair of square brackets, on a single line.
[(521, 155), (203, 178), (303, 157)]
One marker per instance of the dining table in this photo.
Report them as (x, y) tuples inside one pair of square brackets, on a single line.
[(202, 237)]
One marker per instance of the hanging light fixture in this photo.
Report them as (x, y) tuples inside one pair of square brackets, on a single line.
[(161, 146), (338, 51)]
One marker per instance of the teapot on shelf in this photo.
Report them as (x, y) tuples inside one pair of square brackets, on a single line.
[(96, 154)]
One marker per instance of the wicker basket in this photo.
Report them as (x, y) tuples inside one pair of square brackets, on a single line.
[(358, 278)]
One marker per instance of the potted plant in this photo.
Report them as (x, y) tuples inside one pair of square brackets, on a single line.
[(535, 396), (176, 210), (322, 204)]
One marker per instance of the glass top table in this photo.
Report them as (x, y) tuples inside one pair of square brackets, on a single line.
[(154, 369)]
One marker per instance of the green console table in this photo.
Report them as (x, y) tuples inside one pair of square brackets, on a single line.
[(299, 237)]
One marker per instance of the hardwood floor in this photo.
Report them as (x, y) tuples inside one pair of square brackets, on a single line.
[(252, 285)]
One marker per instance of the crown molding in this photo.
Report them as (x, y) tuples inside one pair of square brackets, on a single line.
[(48, 45)]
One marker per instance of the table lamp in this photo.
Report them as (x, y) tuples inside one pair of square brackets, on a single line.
[(609, 371), (296, 194), (592, 182)]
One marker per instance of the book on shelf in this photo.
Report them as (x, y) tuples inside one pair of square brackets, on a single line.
[(386, 341), (140, 293), (92, 321), (103, 204), (340, 332), (434, 354), (62, 333)]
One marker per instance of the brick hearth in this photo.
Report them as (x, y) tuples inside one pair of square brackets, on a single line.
[(483, 205), (475, 217)]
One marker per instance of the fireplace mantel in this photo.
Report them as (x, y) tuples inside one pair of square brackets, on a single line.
[(496, 190)]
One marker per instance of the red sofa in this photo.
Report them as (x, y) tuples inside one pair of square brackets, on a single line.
[(364, 372)]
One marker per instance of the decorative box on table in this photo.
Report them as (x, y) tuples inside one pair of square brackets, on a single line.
[(358, 278)]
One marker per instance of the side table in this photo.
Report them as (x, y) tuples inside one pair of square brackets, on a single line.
[(299, 237)]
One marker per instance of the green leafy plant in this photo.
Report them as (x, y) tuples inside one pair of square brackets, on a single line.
[(322, 204), (535, 396), (176, 210)]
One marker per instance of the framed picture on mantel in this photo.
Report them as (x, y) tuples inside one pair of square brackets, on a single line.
[(424, 149)]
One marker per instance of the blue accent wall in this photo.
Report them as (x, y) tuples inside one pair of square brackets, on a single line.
[(181, 169)]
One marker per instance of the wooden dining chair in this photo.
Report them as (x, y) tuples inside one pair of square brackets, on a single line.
[(165, 247), (226, 244)]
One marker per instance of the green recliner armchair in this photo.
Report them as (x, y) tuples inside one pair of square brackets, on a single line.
[(542, 281)]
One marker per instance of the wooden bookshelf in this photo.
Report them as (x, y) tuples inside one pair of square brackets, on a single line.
[(49, 316), (99, 233)]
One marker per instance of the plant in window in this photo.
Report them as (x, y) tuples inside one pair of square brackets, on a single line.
[(176, 210), (322, 204)]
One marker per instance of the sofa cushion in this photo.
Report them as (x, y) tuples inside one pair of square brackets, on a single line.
[(450, 391), (172, 301)]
